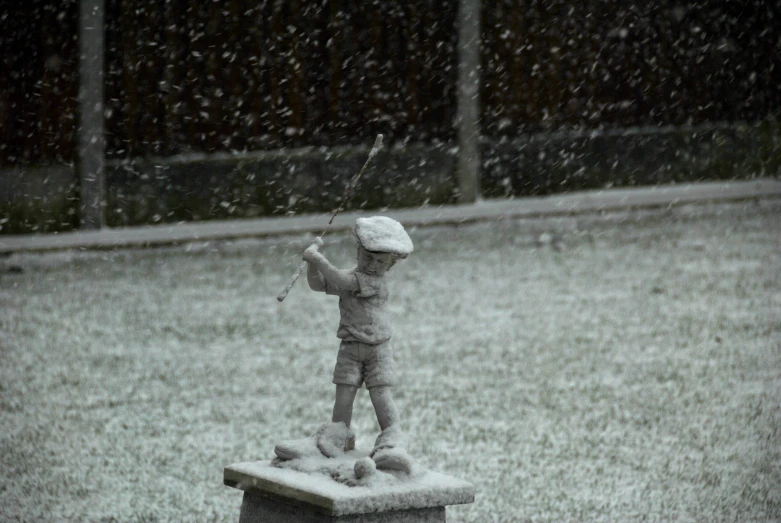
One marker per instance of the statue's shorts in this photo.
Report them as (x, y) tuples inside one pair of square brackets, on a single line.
[(360, 362)]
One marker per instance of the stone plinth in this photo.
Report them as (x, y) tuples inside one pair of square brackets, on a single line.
[(284, 495)]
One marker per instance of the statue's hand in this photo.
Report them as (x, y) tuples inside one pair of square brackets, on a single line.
[(316, 244), (311, 254)]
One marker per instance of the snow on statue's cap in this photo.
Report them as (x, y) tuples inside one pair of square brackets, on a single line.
[(383, 234)]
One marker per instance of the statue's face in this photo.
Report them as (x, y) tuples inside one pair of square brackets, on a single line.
[(374, 263)]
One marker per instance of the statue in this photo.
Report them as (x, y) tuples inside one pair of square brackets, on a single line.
[(365, 354), (323, 477)]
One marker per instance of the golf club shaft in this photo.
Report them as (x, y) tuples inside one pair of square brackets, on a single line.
[(375, 149)]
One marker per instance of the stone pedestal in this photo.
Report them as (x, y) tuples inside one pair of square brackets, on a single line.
[(277, 495)]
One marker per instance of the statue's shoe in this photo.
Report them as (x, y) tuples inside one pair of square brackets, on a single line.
[(330, 440), (395, 458), (388, 452), (391, 437)]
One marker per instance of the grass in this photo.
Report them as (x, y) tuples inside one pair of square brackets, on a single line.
[(633, 374)]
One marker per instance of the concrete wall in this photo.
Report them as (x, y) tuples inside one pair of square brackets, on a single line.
[(35, 199), (278, 182), (564, 161), (315, 179)]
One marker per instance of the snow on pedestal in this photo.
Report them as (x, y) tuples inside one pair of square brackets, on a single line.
[(281, 495)]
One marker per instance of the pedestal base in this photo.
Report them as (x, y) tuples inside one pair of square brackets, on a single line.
[(257, 508), (277, 495)]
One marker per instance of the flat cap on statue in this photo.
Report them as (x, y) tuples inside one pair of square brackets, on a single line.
[(383, 234)]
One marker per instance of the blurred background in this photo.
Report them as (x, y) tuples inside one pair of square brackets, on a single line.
[(243, 108)]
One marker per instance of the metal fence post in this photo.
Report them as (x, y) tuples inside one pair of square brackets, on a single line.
[(468, 111), (91, 160)]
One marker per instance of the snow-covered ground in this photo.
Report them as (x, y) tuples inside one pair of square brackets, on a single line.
[(620, 367)]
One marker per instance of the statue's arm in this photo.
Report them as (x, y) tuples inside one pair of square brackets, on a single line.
[(315, 278), (333, 278)]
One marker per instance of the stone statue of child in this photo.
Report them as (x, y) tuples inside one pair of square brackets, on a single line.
[(365, 354)]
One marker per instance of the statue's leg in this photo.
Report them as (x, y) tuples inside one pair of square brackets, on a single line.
[(343, 404), (332, 439), (384, 406), (388, 452)]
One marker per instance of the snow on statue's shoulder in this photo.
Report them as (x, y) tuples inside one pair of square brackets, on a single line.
[(383, 234)]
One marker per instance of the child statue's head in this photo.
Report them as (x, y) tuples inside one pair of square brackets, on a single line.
[(381, 242)]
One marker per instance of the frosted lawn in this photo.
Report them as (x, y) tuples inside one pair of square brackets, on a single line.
[(615, 369)]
